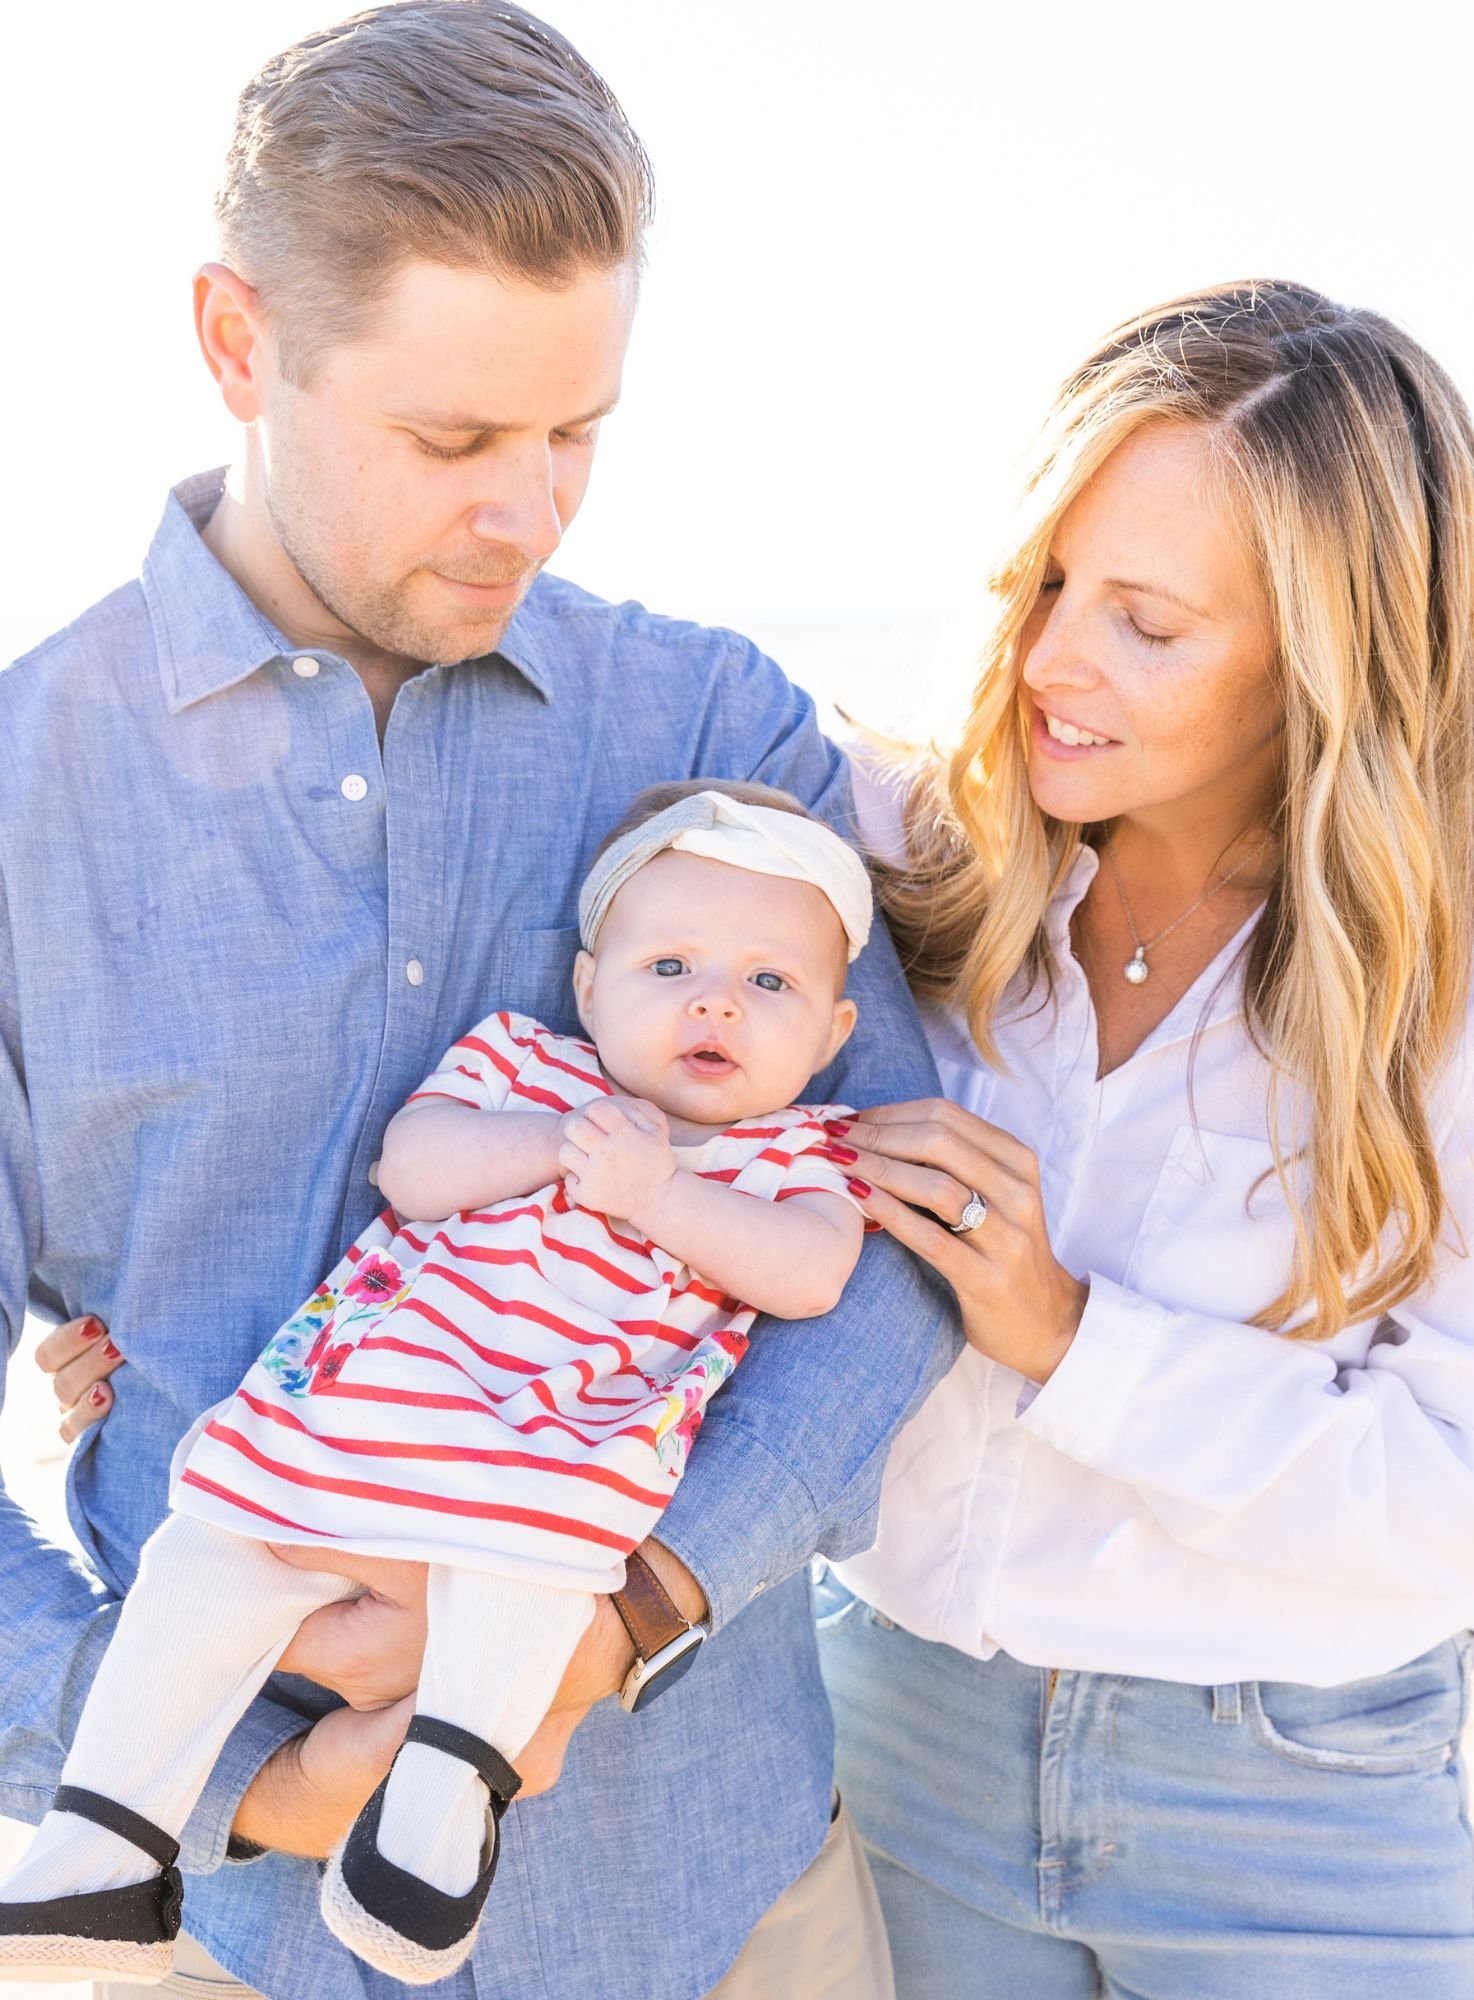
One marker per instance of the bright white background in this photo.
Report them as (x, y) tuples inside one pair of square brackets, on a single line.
[(885, 232)]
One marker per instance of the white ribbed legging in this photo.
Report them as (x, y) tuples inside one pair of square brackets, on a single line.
[(207, 1620)]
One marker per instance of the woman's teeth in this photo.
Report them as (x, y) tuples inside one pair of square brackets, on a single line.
[(1066, 732)]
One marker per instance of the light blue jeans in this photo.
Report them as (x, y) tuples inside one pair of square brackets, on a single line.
[(1147, 1840)]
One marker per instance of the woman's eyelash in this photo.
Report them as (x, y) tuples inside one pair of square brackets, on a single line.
[(1148, 638)]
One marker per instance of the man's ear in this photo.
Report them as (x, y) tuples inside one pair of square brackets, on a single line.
[(846, 1013), (228, 324), (583, 991)]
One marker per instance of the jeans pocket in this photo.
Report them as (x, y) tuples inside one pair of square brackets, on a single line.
[(1392, 1724), (834, 1603)]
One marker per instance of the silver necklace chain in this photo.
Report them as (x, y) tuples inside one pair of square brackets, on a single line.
[(1136, 970)]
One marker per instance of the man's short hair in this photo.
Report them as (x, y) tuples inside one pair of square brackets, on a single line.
[(462, 132)]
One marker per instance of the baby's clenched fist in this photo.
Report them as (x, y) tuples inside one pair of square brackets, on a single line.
[(616, 1156)]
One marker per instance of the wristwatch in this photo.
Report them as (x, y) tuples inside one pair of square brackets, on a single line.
[(666, 1644)]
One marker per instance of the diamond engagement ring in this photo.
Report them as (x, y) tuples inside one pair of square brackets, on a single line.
[(973, 1216)]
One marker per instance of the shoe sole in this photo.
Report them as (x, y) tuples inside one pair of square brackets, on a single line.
[(378, 1944), (56, 1961)]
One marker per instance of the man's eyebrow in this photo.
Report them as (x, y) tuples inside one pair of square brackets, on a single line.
[(1157, 590), (455, 420)]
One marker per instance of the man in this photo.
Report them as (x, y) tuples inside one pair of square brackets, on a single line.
[(276, 823)]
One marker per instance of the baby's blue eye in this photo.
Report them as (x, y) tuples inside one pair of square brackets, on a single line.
[(668, 968), (770, 982)]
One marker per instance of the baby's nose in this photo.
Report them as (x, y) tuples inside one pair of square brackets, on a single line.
[(716, 1003)]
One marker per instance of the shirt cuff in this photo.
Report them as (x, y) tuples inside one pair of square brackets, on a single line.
[(1108, 1361), (742, 1523), (261, 1731)]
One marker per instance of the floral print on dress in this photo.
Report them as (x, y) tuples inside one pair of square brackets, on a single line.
[(308, 1353), (686, 1401)]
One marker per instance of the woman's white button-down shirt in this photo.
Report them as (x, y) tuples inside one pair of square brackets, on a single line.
[(1188, 1497)]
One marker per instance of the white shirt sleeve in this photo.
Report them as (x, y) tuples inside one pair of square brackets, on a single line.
[(1263, 1450)]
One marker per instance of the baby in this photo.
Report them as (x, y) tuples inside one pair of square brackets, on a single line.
[(508, 1395)]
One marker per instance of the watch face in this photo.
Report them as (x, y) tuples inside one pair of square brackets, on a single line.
[(665, 1678)]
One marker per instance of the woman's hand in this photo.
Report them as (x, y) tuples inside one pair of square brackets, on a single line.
[(1019, 1304), (79, 1357)]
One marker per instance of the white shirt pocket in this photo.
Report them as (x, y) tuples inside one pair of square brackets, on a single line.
[(1215, 1236)]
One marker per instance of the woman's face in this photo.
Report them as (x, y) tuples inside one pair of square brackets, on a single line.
[(1152, 641)]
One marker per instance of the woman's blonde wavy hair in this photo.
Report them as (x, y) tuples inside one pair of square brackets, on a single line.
[(1349, 456)]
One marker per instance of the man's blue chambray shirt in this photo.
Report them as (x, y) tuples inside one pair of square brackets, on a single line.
[(233, 938)]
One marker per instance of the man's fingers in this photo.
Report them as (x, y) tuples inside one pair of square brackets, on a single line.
[(64, 1343), (403, 1582)]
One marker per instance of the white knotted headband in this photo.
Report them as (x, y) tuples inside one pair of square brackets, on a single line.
[(759, 838)]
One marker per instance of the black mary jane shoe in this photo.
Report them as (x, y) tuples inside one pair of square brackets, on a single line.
[(109, 1932), (397, 1922)]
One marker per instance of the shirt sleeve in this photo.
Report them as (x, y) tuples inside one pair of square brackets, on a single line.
[(483, 1067), (813, 1171), (1267, 1451), (790, 1457)]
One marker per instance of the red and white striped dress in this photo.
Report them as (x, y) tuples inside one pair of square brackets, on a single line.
[(515, 1389)]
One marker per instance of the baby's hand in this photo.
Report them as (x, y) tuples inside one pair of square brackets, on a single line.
[(616, 1155)]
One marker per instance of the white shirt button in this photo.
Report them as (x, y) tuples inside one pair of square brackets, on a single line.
[(414, 972), (304, 668), (354, 787), (373, 1173)]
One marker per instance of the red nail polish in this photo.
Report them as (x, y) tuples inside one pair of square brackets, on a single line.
[(860, 1189), (98, 1397), (846, 1155), (113, 1352), (91, 1328), (838, 1126)]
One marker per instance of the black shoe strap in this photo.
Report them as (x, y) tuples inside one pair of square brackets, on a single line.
[(501, 1780), (156, 1844)]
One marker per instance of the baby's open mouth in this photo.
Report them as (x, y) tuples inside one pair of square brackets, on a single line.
[(709, 1060)]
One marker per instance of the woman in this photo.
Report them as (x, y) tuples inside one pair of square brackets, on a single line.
[(1153, 1682)]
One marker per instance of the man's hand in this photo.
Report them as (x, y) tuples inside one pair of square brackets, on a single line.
[(616, 1155), (79, 1357)]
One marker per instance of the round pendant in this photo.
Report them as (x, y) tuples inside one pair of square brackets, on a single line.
[(1137, 969)]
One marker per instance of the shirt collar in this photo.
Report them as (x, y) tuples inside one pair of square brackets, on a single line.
[(209, 634)]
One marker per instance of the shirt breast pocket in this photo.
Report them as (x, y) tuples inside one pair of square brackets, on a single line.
[(533, 974), (1216, 1236)]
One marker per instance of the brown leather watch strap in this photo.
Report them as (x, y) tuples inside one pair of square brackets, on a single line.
[(649, 1616)]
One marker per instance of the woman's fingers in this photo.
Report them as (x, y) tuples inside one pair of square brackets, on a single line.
[(945, 1252), (92, 1408), (79, 1357), (941, 1135), (921, 1187)]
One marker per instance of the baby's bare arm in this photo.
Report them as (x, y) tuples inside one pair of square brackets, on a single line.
[(441, 1157), (791, 1258)]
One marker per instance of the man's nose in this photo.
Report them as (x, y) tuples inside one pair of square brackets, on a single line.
[(520, 506)]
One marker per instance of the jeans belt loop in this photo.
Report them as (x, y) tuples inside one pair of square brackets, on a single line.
[(1228, 1702)]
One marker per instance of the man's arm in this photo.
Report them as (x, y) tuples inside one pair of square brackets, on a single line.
[(791, 1453)]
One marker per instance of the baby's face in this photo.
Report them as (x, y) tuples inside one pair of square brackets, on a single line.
[(715, 993)]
